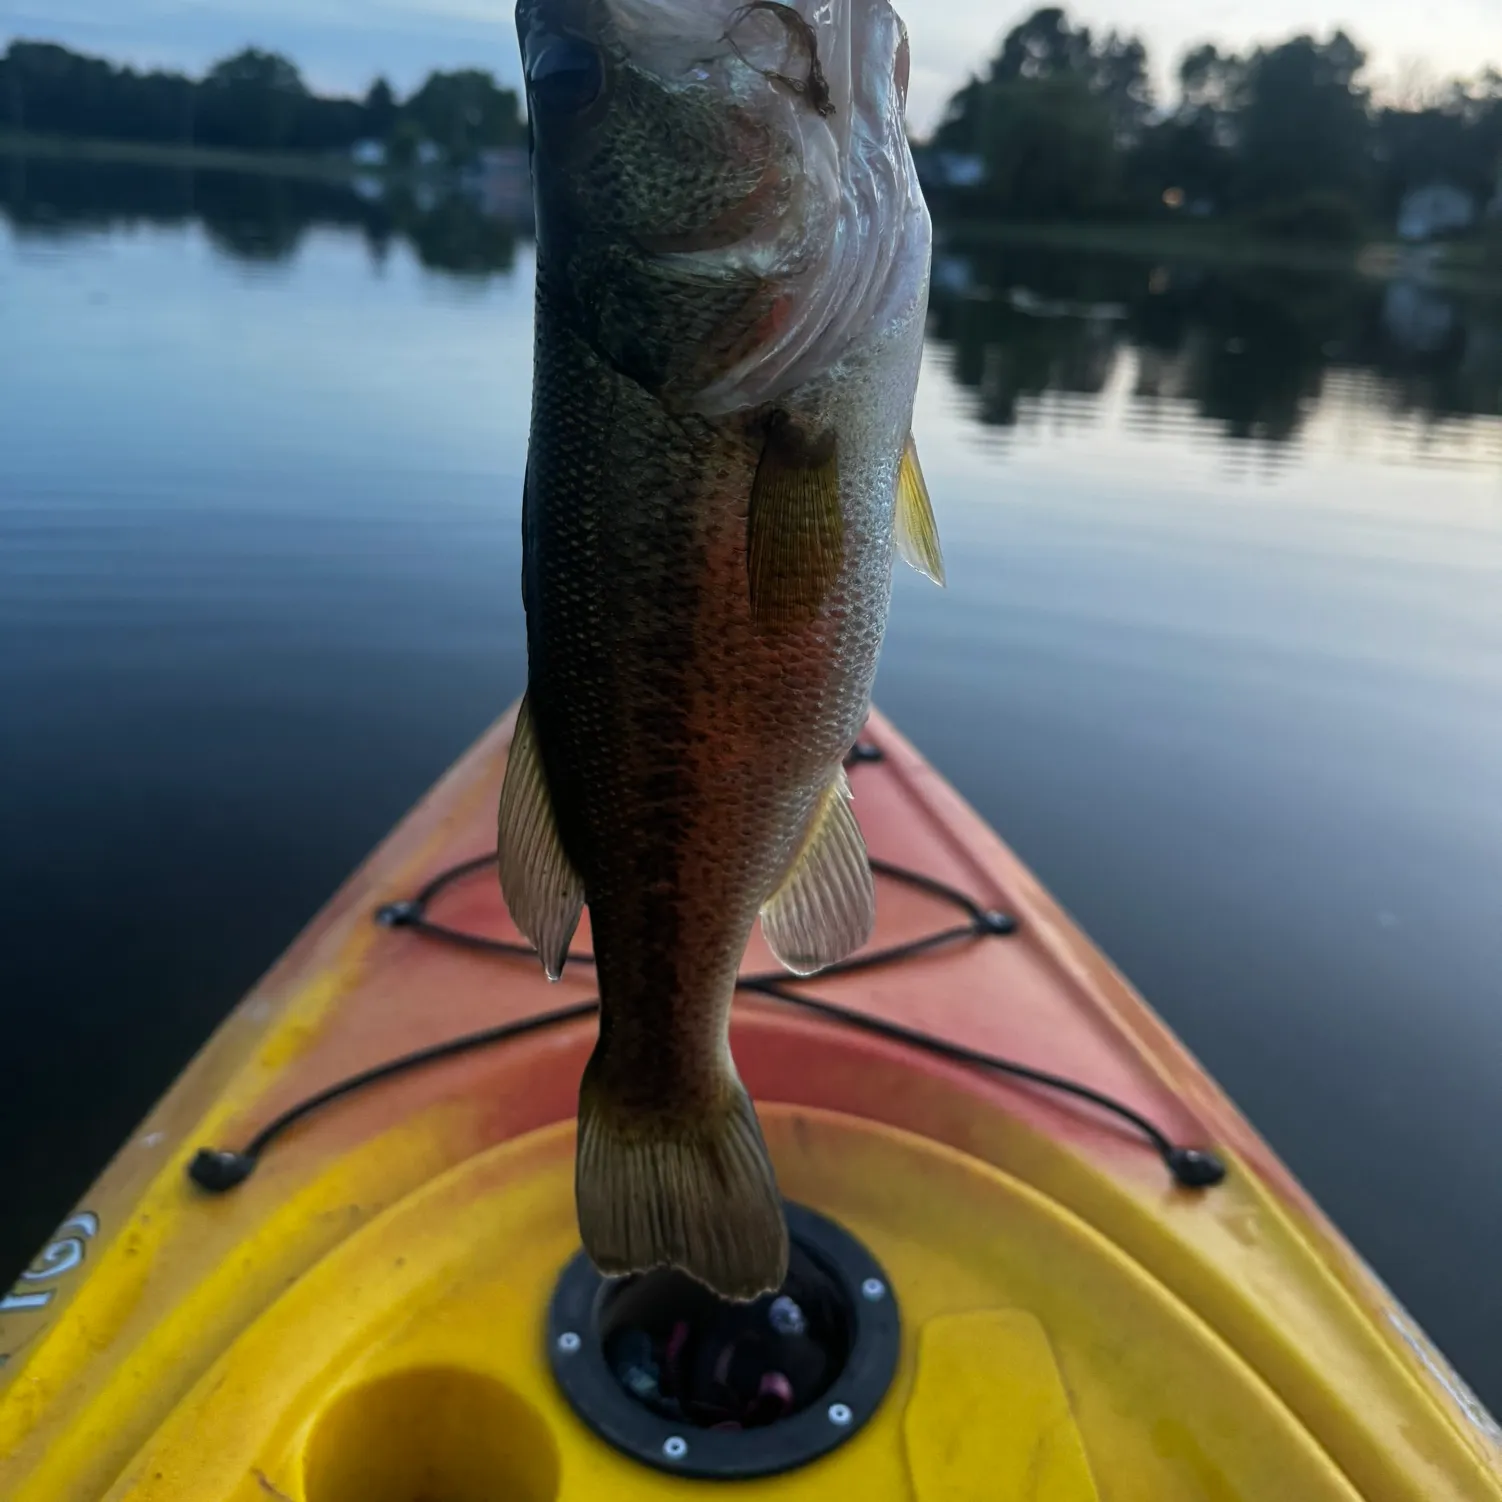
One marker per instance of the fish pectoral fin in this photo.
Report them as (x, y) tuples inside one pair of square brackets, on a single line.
[(544, 893), (914, 530), (696, 1193), (826, 906), (795, 541)]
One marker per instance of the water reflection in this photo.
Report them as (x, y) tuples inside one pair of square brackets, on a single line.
[(1254, 352), (258, 558), (255, 218)]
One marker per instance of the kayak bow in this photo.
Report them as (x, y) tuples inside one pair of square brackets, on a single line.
[(381, 1301)]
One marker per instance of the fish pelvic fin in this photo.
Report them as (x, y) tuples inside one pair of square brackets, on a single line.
[(698, 1194), (544, 893), (825, 908), (914, 530)]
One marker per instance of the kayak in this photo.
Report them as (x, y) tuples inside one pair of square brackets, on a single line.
[(1037, 1253)]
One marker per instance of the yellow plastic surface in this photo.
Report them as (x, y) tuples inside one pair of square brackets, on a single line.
[(408, 1364), (362, 1320), (989, 1416)]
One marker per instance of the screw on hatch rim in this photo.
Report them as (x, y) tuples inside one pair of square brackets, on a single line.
[(596, 1394)]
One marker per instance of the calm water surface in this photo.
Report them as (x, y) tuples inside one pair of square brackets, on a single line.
[(1221, 653)]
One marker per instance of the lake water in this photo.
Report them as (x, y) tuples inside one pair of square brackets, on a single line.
[(1220, 656)]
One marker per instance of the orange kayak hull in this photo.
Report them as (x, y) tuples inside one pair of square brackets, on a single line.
[(1070, 1314)]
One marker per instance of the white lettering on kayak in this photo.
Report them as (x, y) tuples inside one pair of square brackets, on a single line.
[(59, 1257)]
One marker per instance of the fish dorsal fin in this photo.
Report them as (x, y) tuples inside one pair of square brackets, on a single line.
[(826, 906), (542, 890), (795, 531), (914, 529)]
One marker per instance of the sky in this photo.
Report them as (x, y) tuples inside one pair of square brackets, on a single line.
[(343, 44)]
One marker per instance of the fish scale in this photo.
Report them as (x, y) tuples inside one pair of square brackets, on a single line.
[(706, 582)]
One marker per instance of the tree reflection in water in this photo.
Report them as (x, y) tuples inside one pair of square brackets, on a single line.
[(1251, 350), (258, 218)]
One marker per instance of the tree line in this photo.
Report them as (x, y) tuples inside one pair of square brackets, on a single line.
[(254, 101), (1064, 123)]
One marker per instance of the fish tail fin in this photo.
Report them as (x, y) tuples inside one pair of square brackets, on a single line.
[(698, 1194)]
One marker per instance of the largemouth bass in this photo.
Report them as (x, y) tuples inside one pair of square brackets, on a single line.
[(732, 280)]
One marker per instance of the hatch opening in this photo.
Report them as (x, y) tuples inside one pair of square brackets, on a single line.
[(686, 1355), (681, 1380)]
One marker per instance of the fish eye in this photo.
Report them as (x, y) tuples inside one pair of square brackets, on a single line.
[(565, 75)]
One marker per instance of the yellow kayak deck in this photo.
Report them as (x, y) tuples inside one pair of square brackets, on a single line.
[(365, 1319)]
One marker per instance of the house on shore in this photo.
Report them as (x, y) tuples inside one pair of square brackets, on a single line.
[(501, 181), (1435, 209), (949, 169)]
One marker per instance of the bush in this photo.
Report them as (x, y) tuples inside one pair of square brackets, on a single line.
[(1326, 217), (1491, 245)]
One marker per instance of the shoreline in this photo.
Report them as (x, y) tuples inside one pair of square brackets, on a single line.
[(1442, 265), (1448, 266), (162, 154)]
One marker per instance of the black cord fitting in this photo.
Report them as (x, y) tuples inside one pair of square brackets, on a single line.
[(398, 914), (216, 1170), (1194, 1168)]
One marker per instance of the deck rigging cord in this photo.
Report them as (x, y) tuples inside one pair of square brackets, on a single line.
[(218, 1170)]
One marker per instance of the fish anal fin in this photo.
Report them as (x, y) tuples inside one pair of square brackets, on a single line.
[(795, 529), (543, 892), (699, 1194), (914, 530), (825, 908)]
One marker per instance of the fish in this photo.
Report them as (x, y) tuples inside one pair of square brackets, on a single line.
[(731, 289)]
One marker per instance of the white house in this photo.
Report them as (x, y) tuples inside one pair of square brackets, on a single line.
[(1435, 210), (949, 169), (502, 181), (960, 169), (1417, 317)]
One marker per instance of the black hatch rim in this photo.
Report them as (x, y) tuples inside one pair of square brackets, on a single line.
[(576, 1354)]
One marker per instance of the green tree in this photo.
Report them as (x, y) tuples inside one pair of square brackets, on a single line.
[(1303, 126), (1119, 77), (465, 112), (252, 101), (1045, 45), (1282, 136), (1189, 151), (1212, 89), (1048, 147), (1051, 116), (47, 87), (402, 144), (380, 110), (1179, 161), (1456, 139), (1416, 147), (1047, 48)]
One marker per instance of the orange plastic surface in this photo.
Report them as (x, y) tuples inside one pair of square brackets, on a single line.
[(154, 1290)]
